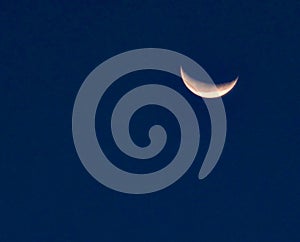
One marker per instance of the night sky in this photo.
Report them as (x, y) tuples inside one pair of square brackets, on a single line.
[(48, 48)]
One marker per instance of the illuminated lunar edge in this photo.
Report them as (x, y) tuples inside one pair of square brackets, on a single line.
[(206, 90), (84, 113)]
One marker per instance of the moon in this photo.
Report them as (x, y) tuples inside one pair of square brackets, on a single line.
[(206, 90)]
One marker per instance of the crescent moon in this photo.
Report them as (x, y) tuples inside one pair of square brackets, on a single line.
[(206, 90)]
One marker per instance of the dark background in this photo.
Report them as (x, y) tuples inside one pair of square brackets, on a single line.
[(47, 49)]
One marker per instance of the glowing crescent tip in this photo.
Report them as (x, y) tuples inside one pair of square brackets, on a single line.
[(206, 90)]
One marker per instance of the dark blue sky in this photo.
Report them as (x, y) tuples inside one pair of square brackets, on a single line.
[(48, 48)]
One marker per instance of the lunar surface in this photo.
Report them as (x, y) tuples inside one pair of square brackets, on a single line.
[(206, 90)]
